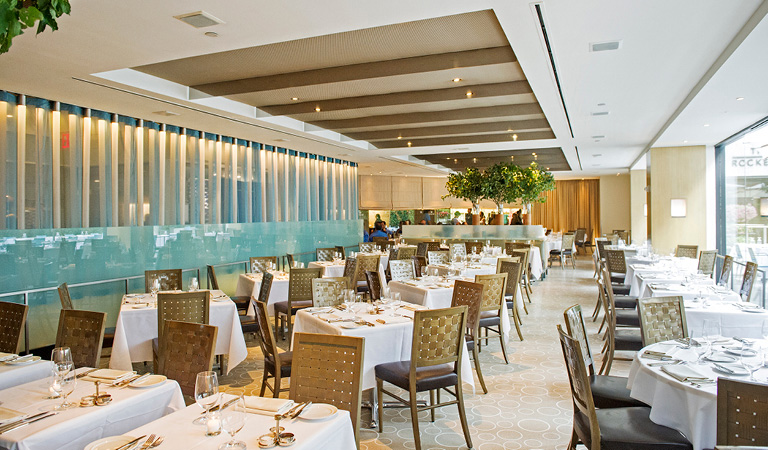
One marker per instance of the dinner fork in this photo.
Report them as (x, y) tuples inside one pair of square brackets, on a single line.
[(148, 442)]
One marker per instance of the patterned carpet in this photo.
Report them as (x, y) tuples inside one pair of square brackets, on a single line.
[(528, 405)]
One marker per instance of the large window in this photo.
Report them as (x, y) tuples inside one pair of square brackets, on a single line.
[(743, 201)]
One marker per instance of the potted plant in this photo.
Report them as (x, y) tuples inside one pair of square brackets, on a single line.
[(533, 183), (467, 185), (501, 187), (18, 15)]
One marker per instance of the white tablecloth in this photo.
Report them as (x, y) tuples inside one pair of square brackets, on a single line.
[(180, 433), (467, 271), (441, 298), (734, 322), (383, 344), (74, 428), (136, 328), (14, 375), (667, 264), (250, 283), (682, 406), (535, 262), (330, 269)]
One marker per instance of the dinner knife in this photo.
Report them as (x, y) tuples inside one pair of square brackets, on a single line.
[(10, 424), (296, 414), (226, 404), (131, 444), (29, 420)]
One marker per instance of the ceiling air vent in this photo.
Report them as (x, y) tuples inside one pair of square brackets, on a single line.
[(199, 19), (604, 46), (600, 113)]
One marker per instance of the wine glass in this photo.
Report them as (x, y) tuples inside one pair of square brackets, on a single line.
[(699, 344), (764, 331), (155, 288), (65, 374), (232, 420), (711, 332), (751, 362), (193, 285), (206, 393), (61, 355), (54, 386)]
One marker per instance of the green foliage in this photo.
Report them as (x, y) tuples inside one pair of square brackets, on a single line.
[(500, 184), (16, 16), (395, 217), (533, 183), (467, 185)]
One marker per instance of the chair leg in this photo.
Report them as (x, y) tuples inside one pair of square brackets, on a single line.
[(503, 346), (290, 329), (432, 403), (527, 294), (414, 419), (264, 382), (574, 441), (463, 415), (276, 392), (602, 324), (477, 369), (517, 325), (596, 312), (380, 397), (278, 328)]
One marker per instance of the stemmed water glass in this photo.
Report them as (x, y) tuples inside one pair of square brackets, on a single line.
[(752, 362), (193, 285), (64, 377), (206, 394), (155, 288), (232, 420), (699, 344)]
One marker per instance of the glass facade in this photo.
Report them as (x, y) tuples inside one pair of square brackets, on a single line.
[(743, 202)]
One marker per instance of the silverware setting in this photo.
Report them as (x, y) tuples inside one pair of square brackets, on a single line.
[(131, 444), (26, 421), (225, 405), (297, 413), (152, 442), (81, 375), (293, 409)]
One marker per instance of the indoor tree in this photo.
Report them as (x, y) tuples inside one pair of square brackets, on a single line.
[(18, 15), (500, 185), (467, 185)]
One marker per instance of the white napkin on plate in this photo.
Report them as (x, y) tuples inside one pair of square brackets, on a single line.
[(684, 373), (266, 406), (383, 319)]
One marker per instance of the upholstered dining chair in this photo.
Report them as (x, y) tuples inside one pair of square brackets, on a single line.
[(265, 288), (494, 287), (83, 333), (277, 364), (406, 253), (580, 238), (435, 364), (607, 391), (401, 270), (261, 264), (687, 251), (742, 413), (473, 247), (457, 249), (707, 259), (364, 263), (186, 349), (725, 271), (513, 269), (661, 319), (328, 291), (470, 294), (750, 273), (299, 296), (192, 307), (616, 263), (325, 254), (524, 284), (564, 252), (12, 319), (374, 284), (291, 261), (617, 339), (329, 369), (64, 297), (170, 279), (419, 262), (437, 257), (609, 428), (368, 247)]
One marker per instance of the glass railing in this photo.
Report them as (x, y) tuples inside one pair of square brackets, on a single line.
[(33, 261)]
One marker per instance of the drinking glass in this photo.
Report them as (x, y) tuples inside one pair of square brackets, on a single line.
[(711, 333), (699, 344), (764, 332), (193, 285), (396, 296), (61, 355), (54, 386), (750, 362), (155, 286), (206, 393), (65, 373), (232, 420)]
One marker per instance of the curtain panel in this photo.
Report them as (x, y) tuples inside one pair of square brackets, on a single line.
[(573, 204)]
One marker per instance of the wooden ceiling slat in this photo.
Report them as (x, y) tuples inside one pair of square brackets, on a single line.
[(510, 111), (546, 157), (516, 126), (403, 66), (474, 138)]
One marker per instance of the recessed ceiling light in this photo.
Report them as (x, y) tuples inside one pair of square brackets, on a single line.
[(456, 80), (604, 46), (600, 113), (469, 93), (295, 98), (199, 19), (685, 142), (448, 158), (317, 108), (474, 160), (344, 154), (409, 143), (281, 140), (706, 124), (547, 168), (211, 34), (739, 98), (514, 137), (399, 137)]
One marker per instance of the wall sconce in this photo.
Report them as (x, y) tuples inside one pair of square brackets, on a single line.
[(677, 207), (764, 207)]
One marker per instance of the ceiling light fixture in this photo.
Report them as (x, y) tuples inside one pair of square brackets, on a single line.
[(199, 19), (456, 80), (739, 98), (295, 99), (317, 108), (469, 93), (211, 34), (514, 137), (706, 124), (409, 143)]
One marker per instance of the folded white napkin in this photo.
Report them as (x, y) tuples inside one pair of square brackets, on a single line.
[(683, 373), (6, 415), (391, 319), (266, 406), (329, 317), (109, 374), (7, 356)]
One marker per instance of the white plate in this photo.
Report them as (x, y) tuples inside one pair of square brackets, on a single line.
[(319, 309), (22, 362), (140, 306), (109, 443), (349, 325), (741, 352), (720, 358), (220, 299), (150, 381), (318, 411), (753, 310)]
